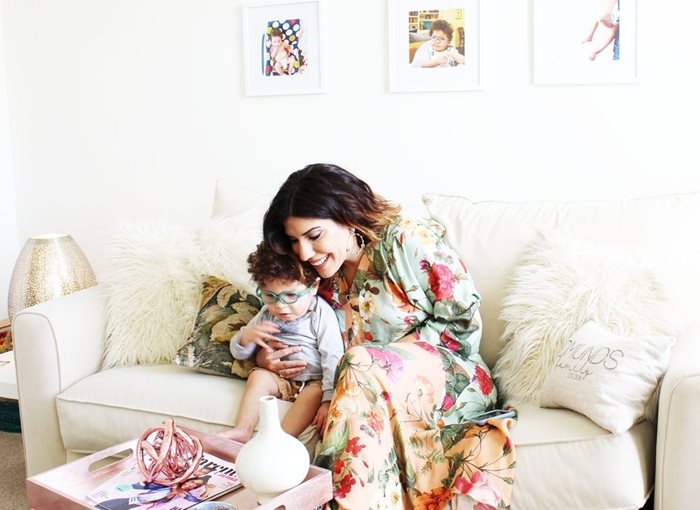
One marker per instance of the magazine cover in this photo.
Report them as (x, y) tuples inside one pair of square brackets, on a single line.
[(127, 490)]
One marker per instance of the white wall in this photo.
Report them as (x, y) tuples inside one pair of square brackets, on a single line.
[(131, 109), (8, 214)]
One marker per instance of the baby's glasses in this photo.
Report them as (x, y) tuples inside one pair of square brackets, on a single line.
[(438, 38), (288, 297)]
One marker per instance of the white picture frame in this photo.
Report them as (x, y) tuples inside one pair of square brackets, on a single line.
[(411, 45), (585, 42), (295, 29)]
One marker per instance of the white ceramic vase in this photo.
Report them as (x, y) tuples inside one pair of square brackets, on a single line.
[(272, 461)]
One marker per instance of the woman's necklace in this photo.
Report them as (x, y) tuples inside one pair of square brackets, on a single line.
[(349, 288)]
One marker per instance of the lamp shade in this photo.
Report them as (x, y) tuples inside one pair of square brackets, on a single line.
[(49, 266)]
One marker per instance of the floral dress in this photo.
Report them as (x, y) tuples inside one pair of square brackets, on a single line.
[(396, 435)]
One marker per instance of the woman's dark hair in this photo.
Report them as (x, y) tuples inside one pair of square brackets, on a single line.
[(442, 26), (327, 191), (265, 265), (205, 479)]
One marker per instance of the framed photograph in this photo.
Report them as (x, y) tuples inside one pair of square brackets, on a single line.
[(434, 45), (282, 47), (585, 41)]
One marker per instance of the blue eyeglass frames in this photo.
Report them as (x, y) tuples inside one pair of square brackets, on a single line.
[(288, 297)]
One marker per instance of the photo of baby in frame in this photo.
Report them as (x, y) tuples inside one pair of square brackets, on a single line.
[(283, 47), (434, 46), (436, 38), (585, 41)]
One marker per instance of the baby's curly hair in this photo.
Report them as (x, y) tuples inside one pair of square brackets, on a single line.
[(264, 265)]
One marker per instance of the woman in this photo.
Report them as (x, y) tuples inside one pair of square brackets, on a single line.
[(396, 433)]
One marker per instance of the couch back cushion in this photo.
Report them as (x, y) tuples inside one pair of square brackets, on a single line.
[(492, 236), (232, 199)]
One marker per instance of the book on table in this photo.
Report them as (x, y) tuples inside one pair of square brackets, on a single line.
[(127, 489)]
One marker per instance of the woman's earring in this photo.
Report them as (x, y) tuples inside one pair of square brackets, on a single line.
[(360, 240)]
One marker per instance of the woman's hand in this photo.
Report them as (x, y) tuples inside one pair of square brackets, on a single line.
[(271, 359)]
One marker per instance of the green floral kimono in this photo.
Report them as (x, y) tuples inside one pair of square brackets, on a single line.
[(396, 435)]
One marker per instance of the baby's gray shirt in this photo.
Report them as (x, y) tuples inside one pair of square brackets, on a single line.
[(317, 333)]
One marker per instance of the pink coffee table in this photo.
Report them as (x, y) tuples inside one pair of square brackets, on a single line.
[(65, 487)]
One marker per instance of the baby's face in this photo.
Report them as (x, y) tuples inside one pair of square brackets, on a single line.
[(439, 39), (275, 41), (289, 303)]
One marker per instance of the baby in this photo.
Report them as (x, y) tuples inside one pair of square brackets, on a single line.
[(438, 52), (295, 315), (281, 56)]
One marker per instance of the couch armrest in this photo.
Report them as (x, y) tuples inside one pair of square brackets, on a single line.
[(677, 440), (57, 343)]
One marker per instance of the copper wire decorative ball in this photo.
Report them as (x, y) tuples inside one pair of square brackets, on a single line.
[(167, 455)]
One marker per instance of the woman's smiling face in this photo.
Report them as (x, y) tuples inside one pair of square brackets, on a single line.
[(323, 243)]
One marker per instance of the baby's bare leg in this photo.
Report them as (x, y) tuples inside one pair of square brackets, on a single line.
[(602, 16), (260, 383), (589, 37), (303, 410), (605, 10), (604, 43)]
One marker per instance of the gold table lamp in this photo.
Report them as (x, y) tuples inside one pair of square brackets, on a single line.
[(49, 266)]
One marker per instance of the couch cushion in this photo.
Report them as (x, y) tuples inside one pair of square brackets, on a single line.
[(491, 236), (231, 199), (118, 404), (566, 461)]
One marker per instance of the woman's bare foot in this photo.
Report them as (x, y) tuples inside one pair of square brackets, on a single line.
[(240, 435)]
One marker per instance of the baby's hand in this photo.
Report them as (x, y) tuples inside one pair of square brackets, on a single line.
[(259, 334), (321, 415), (439, 61)]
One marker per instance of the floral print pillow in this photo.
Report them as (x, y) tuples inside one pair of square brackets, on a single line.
[(223, 310)]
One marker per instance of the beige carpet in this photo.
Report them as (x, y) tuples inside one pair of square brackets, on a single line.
[(13, 494)]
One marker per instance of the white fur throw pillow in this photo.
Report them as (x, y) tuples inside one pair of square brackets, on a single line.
[(152, 279), (560, 285), (607, 377), (152, 286)]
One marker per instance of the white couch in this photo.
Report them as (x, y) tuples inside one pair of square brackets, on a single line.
[(69, 407)]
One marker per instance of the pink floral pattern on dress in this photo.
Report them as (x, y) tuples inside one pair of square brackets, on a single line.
[(441, 281)]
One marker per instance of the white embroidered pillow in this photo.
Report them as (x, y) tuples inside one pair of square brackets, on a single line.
[(607, 377)]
